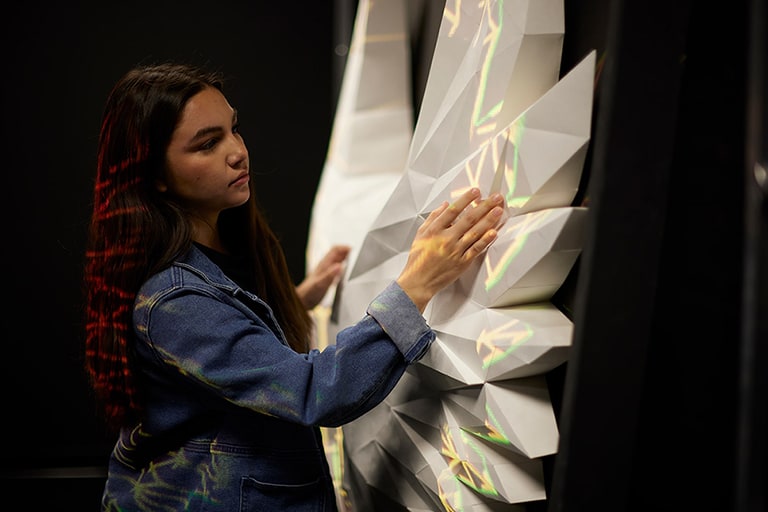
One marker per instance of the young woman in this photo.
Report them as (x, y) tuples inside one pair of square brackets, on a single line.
[(197, 342)]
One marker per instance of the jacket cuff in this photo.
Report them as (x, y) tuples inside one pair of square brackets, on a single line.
[(399, 317)]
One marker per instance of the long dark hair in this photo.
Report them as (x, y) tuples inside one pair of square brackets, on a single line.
[(135, 231)]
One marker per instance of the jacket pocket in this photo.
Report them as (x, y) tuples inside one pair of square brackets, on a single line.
[(258, 496)]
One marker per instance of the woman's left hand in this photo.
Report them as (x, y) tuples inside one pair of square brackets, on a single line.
[(314, 287)]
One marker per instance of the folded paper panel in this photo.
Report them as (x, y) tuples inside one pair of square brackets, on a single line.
[(383, 244), (521, 408), (446, 366), (530, 362), (459, 453), (559, 188), (380, 145), (496, 342), (371, 132), (385, 55), (516, 415), (457, 34), (521, 267), (477, 171), (468, 421), (532, 157), (567, 107), (407, 446), (405, 201), (466, 426), (456, 495), (545, 16), (536, 69), (480, 44), (339, 199), (359, 436), (439, 482), (502, 477), (543, 156)]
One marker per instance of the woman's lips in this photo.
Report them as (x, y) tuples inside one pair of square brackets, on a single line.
[(240, 180)]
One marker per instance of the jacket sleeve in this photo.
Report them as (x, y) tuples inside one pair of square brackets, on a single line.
[(197, 338)]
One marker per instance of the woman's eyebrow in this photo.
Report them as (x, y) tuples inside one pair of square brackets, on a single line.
[(203, 132)]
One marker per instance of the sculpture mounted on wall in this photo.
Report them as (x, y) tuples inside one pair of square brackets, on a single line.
[(467, 426)]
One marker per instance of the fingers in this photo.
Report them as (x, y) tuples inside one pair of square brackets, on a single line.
[(479, 244), (315, 285), (336, 254), (473, 226), (476, 223), (332, 259), (452, 211), (465, 221), (331, 265), (446, 243)]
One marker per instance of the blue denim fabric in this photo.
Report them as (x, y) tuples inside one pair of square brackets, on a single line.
[(233, 414)]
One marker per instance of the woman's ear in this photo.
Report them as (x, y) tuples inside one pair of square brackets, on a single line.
[(161, 186)]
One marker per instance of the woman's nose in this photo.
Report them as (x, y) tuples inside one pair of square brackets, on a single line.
[(238, 155)]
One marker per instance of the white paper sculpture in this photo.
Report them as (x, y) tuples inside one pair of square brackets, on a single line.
[(367, 155), (466, 427), (372, 131)]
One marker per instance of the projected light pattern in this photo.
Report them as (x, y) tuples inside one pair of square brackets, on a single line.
[(477, 479), (466, 427), (157, 487), (110, 307), (484, 120), (489, 340), (535, 253)]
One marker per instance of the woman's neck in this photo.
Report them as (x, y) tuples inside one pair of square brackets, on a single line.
[(206, 233)]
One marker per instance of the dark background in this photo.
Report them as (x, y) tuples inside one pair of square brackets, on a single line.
[(662, 404)]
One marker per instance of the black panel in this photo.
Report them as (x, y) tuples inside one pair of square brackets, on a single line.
[(651, 400)]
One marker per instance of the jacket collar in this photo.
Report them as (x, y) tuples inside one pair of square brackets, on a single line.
[(197, 262)]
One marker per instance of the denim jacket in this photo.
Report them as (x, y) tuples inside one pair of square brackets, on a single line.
[(232, 413)]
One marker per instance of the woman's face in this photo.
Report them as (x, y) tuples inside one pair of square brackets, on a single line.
[(207, 161)]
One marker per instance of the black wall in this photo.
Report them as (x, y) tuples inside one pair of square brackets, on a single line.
[(663, 408)]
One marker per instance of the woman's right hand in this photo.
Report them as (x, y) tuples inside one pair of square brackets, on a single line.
[(447, 242)]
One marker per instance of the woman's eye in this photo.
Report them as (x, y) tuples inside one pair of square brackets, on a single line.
[(209, 144), (236, 128)]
